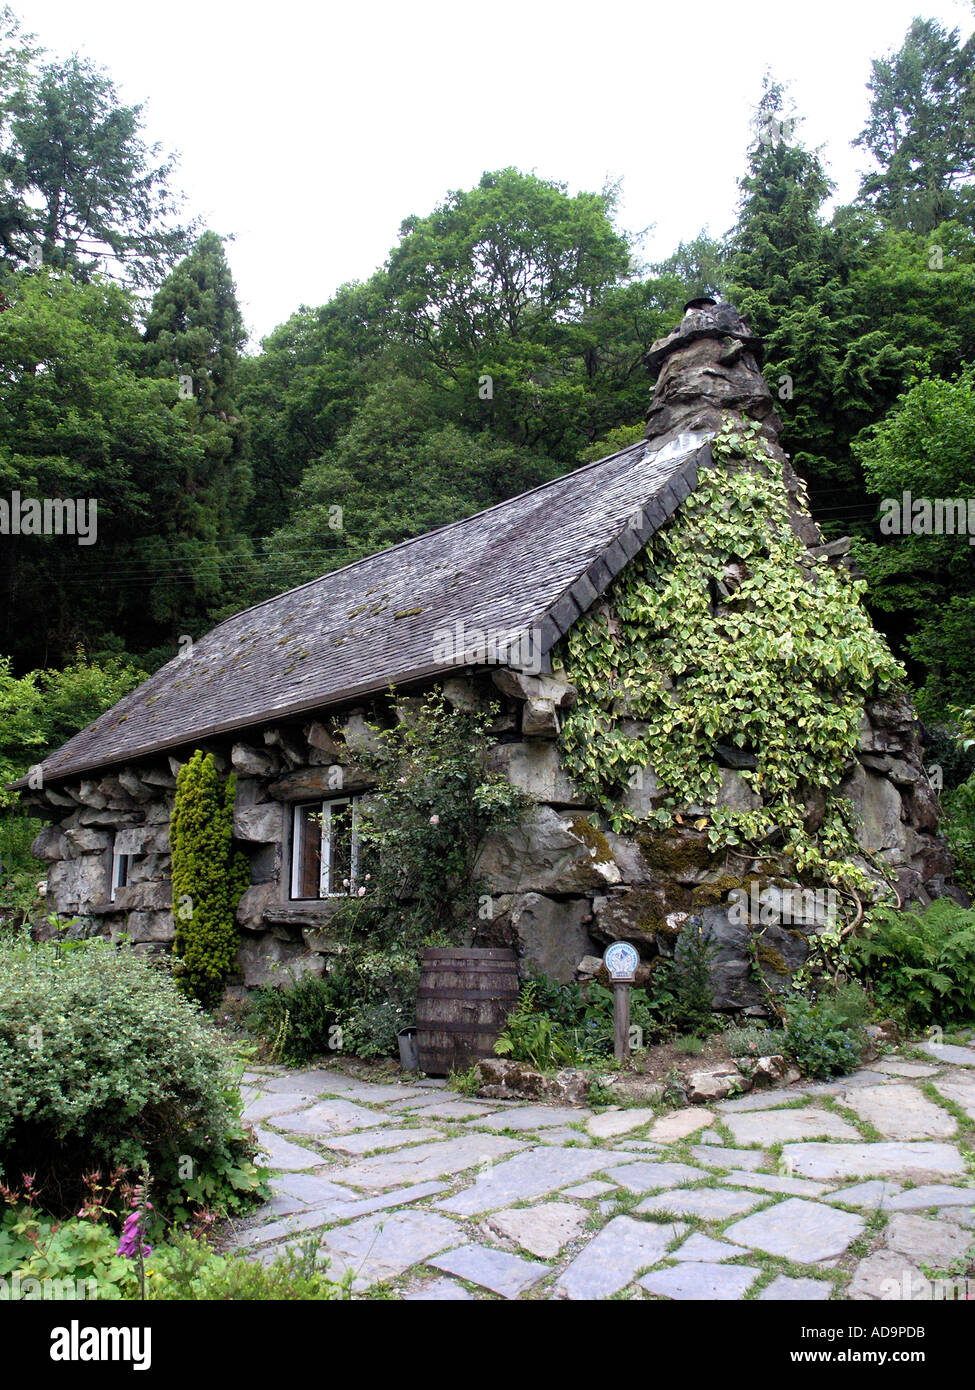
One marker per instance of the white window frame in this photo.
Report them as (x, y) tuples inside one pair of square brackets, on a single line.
[(120, 877), (325, 889)]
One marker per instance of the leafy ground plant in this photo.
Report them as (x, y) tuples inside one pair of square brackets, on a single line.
[(920, 965)]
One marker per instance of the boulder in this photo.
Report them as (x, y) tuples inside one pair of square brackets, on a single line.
[(521, 686), (539, 718), (134, 785), (878, 804), (251, 762), (714, 1083), (502, 1079), (262, 824), (537, 770), (252, 905), (51, 844), (147, 926), (267, 960), (735, 794), (542, 855), (357, 735), (551, 932), (79, 884)]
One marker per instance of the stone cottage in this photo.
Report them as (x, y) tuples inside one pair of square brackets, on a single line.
[(283, 694)]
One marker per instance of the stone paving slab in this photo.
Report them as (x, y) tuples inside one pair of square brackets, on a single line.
[(761, 1100), (527, 1175), (798, 1230), (404, 1146), (873, 1194), (773, 1182), (932, 1195), (365, 1141), (385, 1246), (715, 1156), (767, 1127), (440, 1291), (329, 1117), (709, 1203), (588, 1189), (284, 1155), (934, 1243), (507, 1275), (645, 1176), (542, 1230), (785, 1289), (532, 1118), (948, 1053), (329, 1214), (701, 1247), (885, 1275), (614, 1257), (900, 1066), (427, 1161), (960, 1089), (714, 1283), (913, 1160), (901, 1112), (614, 1122), (679, 1124), (274, 1103), (430, 1108)]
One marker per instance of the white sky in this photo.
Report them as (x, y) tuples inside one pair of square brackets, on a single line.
[(311, 130)]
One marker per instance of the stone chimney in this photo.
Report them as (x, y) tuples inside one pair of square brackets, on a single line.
[(708, 367), (709, 364)]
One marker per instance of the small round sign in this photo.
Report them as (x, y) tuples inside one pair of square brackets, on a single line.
[(621, 960)]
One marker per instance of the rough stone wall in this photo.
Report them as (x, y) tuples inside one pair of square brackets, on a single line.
[(559, 887)]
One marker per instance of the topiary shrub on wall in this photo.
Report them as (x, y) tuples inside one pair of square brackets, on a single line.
[(209, 877)]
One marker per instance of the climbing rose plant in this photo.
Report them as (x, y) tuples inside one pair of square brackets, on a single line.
[(723, 630), (209, 877)]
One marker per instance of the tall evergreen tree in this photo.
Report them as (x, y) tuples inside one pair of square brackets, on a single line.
[(921, 129), (89, 193)]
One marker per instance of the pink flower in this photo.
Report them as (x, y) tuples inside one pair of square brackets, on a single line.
[(434, 820)]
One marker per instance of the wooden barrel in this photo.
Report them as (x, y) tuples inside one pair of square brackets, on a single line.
[(465, 995)]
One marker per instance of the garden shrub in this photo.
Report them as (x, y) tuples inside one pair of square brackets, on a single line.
[(209, 877), (104, 1062), (920, 965), (754, 1042), (825, 1036), (298, 1021)]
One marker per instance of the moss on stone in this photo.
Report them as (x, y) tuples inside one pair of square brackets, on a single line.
[(769, 956), (594, 840), (673, 853), (715, 891)]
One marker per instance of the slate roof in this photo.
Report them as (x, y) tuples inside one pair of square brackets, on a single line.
[(530, 564)]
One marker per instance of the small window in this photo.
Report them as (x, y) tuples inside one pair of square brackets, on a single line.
[(325, 849), (121, 863)]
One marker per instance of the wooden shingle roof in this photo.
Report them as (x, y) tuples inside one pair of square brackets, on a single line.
[(530, 564)]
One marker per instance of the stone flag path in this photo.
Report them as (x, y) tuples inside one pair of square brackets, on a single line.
[(859, 1188)]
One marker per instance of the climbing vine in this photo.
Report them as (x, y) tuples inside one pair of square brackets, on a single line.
[(723, 630)]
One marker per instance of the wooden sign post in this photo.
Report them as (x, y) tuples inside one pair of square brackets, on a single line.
[(621, 960)]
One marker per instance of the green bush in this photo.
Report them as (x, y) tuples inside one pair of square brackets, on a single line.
[(209, 877), (189, 1270), (920, 965), (825, 1036), (959, 830), (531, 1035), (298, 1021), (104, 1062)]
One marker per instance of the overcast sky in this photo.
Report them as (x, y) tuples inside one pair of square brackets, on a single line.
[(310, 131)]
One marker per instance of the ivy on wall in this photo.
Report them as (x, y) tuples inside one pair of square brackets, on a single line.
[(724, 631)]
